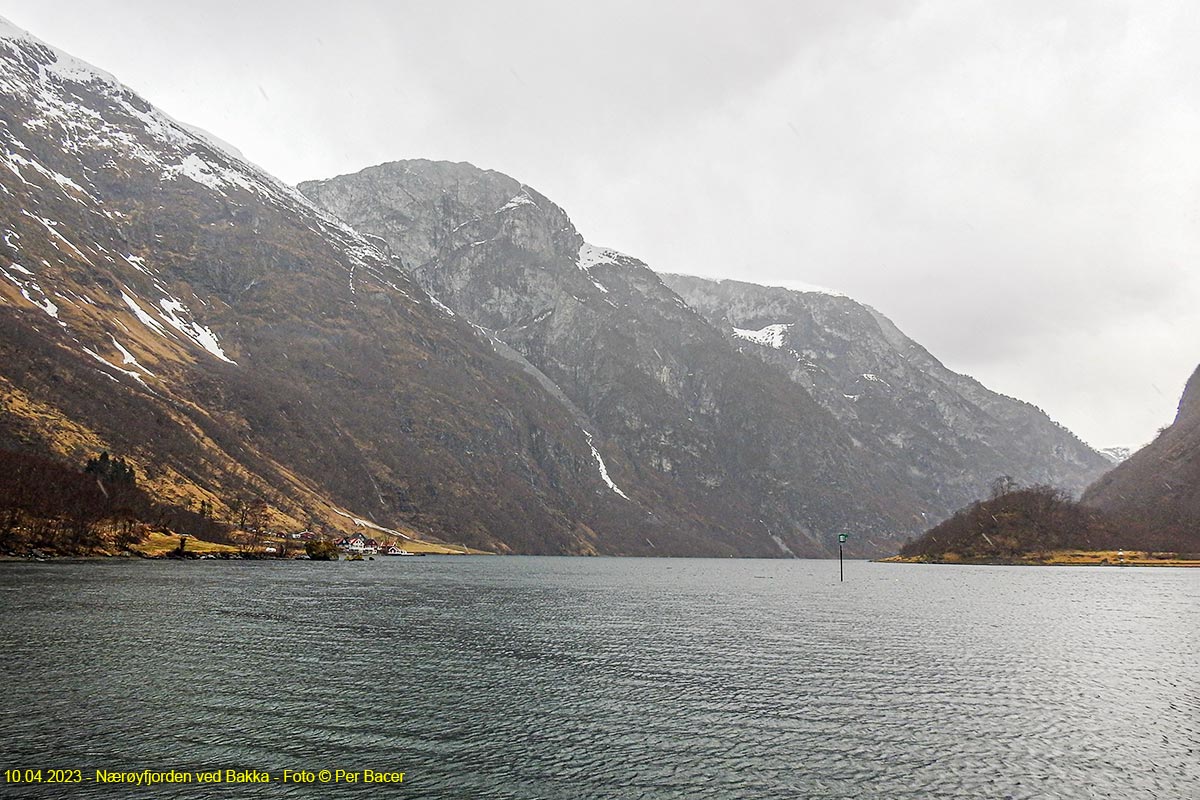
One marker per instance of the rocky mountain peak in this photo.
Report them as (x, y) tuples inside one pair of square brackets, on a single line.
[(435, 206)]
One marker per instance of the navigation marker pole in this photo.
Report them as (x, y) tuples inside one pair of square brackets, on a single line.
[(841, 564)]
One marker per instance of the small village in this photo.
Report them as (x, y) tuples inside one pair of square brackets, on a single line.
[(354, 546), (361, 545)]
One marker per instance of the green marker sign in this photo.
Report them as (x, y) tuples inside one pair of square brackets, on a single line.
[(842, 538)]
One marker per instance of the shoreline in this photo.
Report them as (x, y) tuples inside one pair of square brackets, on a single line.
[(165, 547)]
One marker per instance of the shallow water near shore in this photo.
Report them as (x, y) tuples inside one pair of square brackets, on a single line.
[(607, 678)]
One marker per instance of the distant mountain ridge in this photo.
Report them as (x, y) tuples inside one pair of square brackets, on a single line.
[(953, 435)]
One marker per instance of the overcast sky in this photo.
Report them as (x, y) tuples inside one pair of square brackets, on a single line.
[(1016, 184)]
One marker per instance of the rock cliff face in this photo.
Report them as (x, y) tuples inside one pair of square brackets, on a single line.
[(949, 434), (1159, 485), (690, 426)]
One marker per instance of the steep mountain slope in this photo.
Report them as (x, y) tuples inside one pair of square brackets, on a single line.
[(692, 421), (1159, 485), (952, 435), (165, 300)]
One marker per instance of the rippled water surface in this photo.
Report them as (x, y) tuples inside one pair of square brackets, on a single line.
[(608, 678)]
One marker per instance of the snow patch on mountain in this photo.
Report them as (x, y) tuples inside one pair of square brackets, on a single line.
[(603, 468), (50, 226), (177, 315), (144, 317), (113, 366), (771, 336), (28, 286), (216, 142), (137, 262), (127, 356), (198, 333), (15, 161), (366, 523), (523, 199), (592, 256), (810, 288), (204, 172)]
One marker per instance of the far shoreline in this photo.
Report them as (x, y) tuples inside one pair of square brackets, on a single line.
[(1057, 558)]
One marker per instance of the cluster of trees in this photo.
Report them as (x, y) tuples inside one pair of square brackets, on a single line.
[(1012, 522), (1016, 521), (249, 516), (45, 504), (114, 471)]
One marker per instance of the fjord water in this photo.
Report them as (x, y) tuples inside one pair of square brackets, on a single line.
[(608, 678)]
